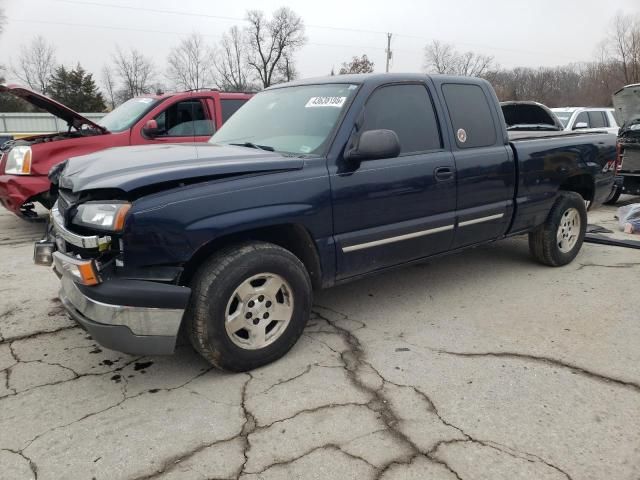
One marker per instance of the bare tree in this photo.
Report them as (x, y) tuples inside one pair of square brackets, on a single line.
[(135, 72), (36, 63), (624, 44), (357, 65), (440, 57), (3, 19), (231, 62), (190, 64), (444, 58), (287, 69), (474, 65), (109, 84), (272, 41)]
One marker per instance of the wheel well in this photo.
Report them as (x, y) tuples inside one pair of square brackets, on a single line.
[(582, 184), (292, 237)]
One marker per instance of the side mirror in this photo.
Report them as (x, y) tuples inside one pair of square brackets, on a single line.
[(151, 129), (375, 144), (580, 125)]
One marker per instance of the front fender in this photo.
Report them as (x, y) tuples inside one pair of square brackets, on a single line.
[(169, 229)]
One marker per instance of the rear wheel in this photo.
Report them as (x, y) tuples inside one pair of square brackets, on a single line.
[(559, 239), (249, 306), (614, 197)]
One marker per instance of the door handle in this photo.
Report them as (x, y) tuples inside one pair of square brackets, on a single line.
[(442, 174)]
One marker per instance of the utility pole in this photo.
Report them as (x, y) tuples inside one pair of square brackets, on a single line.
[(389, 53)]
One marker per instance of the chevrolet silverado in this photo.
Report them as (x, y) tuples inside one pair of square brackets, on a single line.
[(310, 184)]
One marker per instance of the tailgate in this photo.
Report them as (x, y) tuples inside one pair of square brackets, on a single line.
[(631, 159)]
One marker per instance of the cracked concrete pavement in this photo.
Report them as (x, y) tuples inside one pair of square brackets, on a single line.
[(482, 365)]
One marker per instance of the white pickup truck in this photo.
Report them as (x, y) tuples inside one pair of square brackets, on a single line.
[(588, 119)]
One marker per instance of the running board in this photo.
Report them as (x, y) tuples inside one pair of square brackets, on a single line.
[(602, 240)]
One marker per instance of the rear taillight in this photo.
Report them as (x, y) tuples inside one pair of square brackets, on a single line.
[(618, 164)]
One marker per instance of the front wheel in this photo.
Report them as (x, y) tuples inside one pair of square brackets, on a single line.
[(249, 306), (558, 240)]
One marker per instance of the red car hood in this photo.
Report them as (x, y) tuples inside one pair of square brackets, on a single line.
[(55, 108)]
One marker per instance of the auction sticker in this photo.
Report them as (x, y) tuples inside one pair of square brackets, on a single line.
[(325, 102)]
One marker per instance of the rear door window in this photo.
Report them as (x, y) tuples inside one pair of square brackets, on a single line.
[(470, 114), (408, 111), (597, 120), (230, 106)]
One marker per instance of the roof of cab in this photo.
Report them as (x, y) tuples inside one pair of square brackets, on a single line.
[(163, 96), (575, 109), (378, 78)]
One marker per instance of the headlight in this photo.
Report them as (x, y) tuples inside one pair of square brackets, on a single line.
[(102, 216), (19, 161)]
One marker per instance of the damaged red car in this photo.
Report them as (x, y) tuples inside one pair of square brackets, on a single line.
[(168, 118)]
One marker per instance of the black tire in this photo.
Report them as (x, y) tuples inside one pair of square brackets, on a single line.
[(213, 287), (543, 243), (614, 197)]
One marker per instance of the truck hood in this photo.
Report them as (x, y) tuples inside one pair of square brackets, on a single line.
[(626, 101), (56, 109), (131, 168)]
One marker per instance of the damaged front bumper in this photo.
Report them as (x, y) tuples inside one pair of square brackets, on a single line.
[(144, 329), (132, 316), (16, 190)]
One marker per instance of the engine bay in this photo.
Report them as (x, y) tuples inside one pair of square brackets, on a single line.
[(52, 137)]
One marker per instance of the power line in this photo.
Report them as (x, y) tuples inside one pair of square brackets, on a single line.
[(204, 15), (105, 27), (488, 47), (152, 10), (239, 19), (326, 27), (184, 34), (162, 32)]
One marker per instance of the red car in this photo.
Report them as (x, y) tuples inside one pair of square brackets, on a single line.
[(169, 118)]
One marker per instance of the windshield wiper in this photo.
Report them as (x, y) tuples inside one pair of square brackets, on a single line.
[(253, 145)]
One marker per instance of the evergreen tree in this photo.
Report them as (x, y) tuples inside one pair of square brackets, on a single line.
[(76, 89), (9, 103)]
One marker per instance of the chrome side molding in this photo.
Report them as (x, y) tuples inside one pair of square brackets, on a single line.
[(399, 238)]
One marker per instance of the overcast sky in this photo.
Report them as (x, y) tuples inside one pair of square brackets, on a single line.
[(515, 32)]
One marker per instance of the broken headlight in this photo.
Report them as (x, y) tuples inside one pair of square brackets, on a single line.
[(109, 217)]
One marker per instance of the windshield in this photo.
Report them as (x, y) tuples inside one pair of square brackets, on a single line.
[(564, 117), (123, 117), (295, 120)]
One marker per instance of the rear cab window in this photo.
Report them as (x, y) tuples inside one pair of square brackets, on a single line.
[(470, 115), (597, 119), (230, 106)]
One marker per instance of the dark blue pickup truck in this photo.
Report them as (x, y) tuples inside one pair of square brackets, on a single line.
[(310, 184)]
